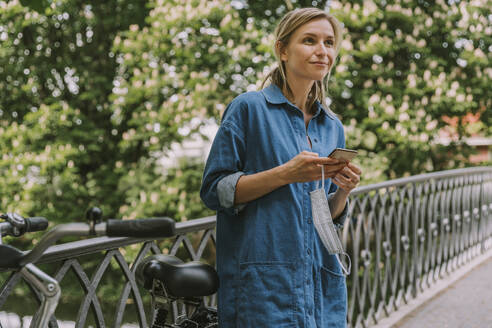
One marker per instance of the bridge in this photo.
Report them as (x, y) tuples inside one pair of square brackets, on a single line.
[(461, 300), (420, 249)]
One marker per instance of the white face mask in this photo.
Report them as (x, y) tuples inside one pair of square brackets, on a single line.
[(323, 222)]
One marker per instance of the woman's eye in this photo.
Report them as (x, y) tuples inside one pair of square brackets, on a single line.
[(329, 43), (309, 40)]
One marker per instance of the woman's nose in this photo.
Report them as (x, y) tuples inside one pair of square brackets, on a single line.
[(321, 49)]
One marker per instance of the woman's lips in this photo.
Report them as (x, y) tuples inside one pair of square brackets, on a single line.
[(321, 64)]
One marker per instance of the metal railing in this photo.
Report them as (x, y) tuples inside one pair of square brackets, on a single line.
[(402, 235), (408, 233)]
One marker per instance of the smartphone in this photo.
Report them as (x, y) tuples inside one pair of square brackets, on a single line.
[(343, 154)]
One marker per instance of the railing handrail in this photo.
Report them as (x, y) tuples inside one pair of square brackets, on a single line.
[(420, 178)]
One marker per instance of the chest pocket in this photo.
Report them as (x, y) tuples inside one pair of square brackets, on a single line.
[(265, 295)]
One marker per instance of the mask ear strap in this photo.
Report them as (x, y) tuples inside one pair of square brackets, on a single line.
[(346, 271), (322, 178)]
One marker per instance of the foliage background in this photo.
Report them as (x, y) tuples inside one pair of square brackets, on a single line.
[(94, 93)]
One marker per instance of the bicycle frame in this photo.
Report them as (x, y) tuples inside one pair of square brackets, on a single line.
[(161, 304), (50, 290), (48, 286)]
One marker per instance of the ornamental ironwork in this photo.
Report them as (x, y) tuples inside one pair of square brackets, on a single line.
[(402, 235)]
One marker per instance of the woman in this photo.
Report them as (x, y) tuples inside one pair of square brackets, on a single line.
[(266, 158)]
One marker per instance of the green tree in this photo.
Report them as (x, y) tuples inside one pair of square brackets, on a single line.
[(175, 73), (407, 67), (91, 100), (56, 75)]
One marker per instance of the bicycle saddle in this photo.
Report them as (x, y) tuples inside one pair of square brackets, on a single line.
[(9, 257), (191, 279)]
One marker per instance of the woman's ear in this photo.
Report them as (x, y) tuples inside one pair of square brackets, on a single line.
[(281, 50)]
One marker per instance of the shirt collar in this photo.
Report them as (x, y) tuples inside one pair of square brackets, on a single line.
[(274, 95)]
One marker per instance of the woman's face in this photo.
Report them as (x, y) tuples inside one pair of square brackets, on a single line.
[(310, 51)]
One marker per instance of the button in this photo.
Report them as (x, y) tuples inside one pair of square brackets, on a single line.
[(309, 251), (310, 311), (309, 221), (315, 139)]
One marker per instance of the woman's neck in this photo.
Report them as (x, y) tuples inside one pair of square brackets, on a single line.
[(300, 91)]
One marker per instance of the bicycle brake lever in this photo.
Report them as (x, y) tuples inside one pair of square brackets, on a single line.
[(18, 223)]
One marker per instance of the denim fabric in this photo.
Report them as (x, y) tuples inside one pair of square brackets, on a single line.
[(226, 189), (274, 270)]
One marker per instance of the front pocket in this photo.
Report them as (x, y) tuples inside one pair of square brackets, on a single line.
[(266, 295), (333, 300)]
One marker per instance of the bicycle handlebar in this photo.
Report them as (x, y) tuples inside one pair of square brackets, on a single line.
[(21, 225), (154, 228), (148, 228), (36, 224)]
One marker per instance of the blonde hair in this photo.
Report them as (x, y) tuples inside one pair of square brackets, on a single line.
[(285, 28)]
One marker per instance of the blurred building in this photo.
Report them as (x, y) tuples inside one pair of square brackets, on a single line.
[(482, 145), (193, 148)]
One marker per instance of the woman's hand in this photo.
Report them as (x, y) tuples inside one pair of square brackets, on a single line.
[(305, 167), (348, 178)]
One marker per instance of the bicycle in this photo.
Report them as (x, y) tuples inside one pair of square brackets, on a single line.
[(168, 279), (14, 259)]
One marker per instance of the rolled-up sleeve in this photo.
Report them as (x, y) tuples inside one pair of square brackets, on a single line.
[(225, 163), (226, 189)]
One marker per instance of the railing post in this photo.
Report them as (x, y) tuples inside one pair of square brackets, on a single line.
[(415, 243)]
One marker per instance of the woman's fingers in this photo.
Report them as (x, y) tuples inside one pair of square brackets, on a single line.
[(306, 166), (303, 167), (355, 169), (348, 178), (330, 165), (351, 174), (308, 153), (328, 161), (343, 182)]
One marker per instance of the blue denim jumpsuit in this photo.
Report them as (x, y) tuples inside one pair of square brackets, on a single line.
[(273, 268)]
